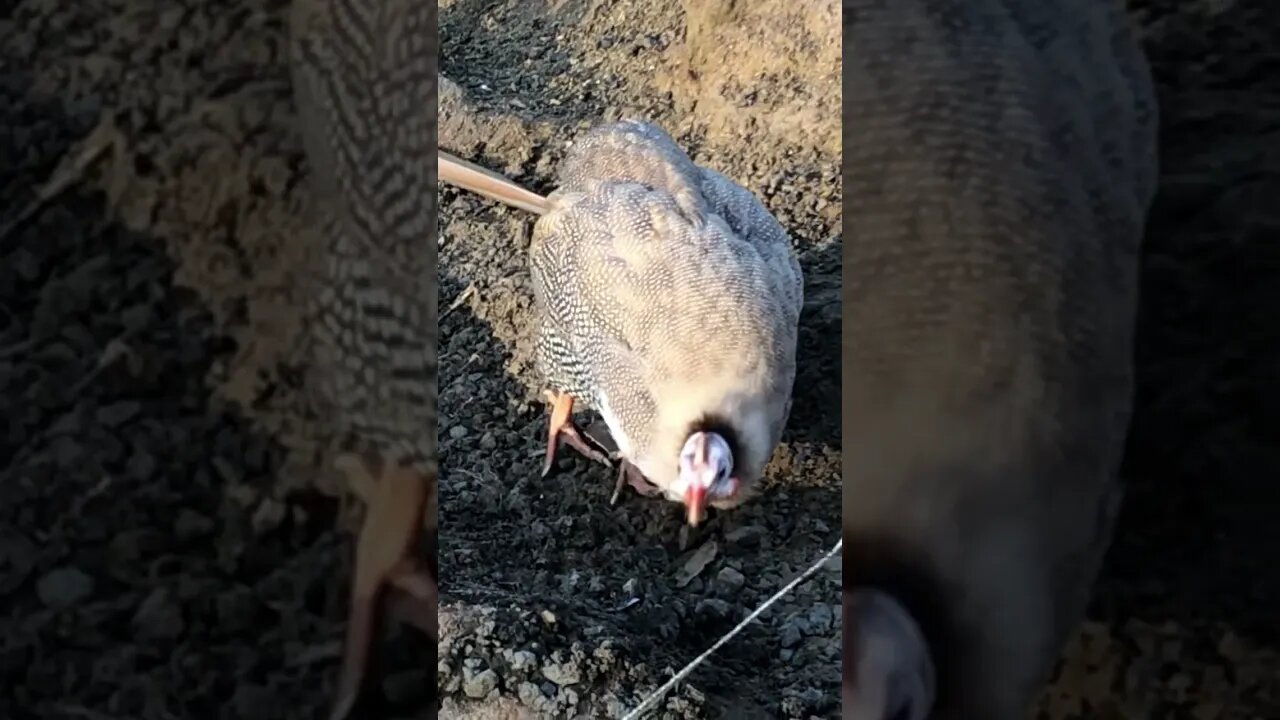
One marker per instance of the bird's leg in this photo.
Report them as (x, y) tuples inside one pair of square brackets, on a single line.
[(384, 565), (629, 474), (562, 429), (414, 595), (417, 601)]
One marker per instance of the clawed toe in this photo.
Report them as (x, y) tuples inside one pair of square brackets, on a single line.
[(417, 599), (574, 439), (629, 474), (562, 430)]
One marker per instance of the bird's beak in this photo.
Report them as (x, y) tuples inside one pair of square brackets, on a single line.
[(695, 502)]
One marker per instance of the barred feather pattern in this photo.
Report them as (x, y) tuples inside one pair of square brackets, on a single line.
[(365, 76), (665, 292)]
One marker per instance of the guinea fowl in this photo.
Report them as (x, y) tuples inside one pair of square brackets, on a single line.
[(668, 299), (1000, 162), (367, 110)]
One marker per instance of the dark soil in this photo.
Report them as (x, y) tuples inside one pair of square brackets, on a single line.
[(171, 547)]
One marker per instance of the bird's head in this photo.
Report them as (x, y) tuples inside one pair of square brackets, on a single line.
[(706, 472), (888, 669)]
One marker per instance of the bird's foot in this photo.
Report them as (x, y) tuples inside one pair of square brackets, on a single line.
[(562, 429), (629, 474), (387, 575)]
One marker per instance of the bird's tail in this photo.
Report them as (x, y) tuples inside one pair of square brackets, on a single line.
[(888, 669), (469, 176)]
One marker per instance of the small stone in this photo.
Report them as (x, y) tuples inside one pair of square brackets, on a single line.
[(480, 684), (268, 516), (488, 441), (142, 465), (548, 617), (191, 525), (136, 318), (562, 673), (236, 609), (748, 536), (227, 471), (569, 582), (631, 588), (790, 635), (159, 617), (528, 693), (68, 452), (523, 660), (457, 432), (452, 683), (123, 552), (712, 607), (569, 698), (695, 562), (820, 619), (242, 495), (730, 581), (64, 587), (117, 414)]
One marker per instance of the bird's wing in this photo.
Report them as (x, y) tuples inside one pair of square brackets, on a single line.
[(636, 152), (656, 306), (754, 224), (673, 285)]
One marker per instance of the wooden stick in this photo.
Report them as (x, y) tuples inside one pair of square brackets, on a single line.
[(469, 176)]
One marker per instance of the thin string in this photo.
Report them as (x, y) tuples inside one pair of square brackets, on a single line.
[(662, 691)]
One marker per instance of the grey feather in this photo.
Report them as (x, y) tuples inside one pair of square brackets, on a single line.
[(365, 78), (665, 291)]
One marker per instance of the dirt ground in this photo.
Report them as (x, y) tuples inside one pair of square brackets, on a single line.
[(172, 547), (515, 547)]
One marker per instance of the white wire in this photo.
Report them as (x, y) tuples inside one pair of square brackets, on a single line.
[(662, 691)]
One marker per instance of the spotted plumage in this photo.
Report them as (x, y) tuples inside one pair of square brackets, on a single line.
[(668, 299), (364, 76)]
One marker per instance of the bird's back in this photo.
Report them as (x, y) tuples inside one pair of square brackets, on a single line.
[(999, 163), (663, 285), (365, 78)]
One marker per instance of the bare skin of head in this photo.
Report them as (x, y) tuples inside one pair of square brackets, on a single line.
[(889, 674)]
